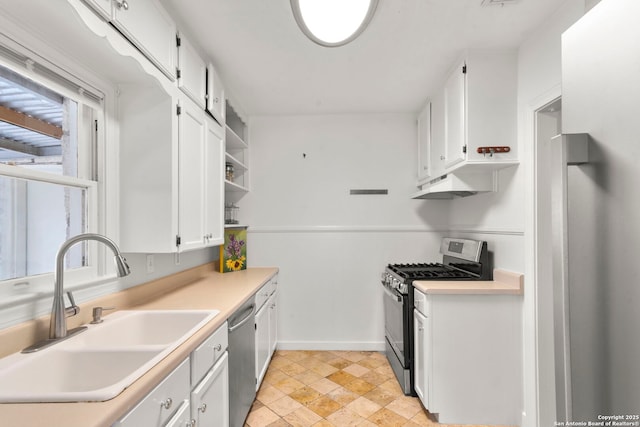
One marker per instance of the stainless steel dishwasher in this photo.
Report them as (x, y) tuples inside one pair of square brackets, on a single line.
[(242, 362)]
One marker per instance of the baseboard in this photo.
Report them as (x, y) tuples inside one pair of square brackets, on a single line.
[(331, 345)]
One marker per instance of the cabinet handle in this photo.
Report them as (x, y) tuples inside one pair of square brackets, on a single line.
[(203, 408), (218, 347), (191, 423), (216, 100), (442, 157), (122, 4), (167, 403)]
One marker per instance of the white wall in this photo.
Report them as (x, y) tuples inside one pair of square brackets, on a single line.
[(331, 246)]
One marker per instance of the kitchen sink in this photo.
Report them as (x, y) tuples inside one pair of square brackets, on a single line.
[(144, 328), (72, 375), (101, 362)]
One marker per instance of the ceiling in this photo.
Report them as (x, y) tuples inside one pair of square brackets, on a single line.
[(270, 67)]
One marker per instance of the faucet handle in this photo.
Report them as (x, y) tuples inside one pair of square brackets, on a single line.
[(97, 314), (73, 309)]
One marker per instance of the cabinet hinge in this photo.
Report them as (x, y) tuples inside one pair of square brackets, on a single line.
[(178, 110), (464, 149), (178, 41), (96, 122), (464, 69), (178, 73), (178, 240)]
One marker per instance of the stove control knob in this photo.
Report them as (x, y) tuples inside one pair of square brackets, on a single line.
[(395, 283)]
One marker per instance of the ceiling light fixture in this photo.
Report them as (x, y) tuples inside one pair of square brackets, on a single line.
[(333, 23)]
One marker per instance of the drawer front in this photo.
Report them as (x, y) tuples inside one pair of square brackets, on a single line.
[(263, 294), (420, 302), (266, 291), (162, 402), (204, 357), (182, 417)]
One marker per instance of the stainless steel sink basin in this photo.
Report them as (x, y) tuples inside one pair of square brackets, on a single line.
[(101, 362)]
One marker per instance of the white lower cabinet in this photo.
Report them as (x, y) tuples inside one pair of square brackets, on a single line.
[(182, 418), (262, 343), (210, 398), (195, 394), (161, 403), (468, 352), (266, 327), (273, 321), (421, 357)]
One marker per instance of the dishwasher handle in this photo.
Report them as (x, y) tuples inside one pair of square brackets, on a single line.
[(251, 309)]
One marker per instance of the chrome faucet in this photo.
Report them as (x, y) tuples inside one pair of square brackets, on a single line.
[(58, 325), (59, 313)]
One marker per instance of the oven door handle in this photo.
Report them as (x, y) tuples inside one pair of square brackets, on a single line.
[(396, 297)]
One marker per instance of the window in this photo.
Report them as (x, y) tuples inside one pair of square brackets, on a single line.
[(48, 169)]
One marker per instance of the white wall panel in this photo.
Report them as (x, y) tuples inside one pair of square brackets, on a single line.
[(331, 246), (330, 296)]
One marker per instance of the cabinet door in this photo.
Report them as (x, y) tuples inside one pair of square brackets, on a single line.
[(455, 125), (215, 95), (191, 151), (273, 322), (436, 145), (210, 398), (421, 355), (147, 25), (262, 342), (193, 71), (424, 142), (214, 184)]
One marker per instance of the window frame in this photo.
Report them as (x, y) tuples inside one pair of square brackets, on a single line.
[(95, 159)]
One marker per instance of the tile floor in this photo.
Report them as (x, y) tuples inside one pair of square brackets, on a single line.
[(333, 388)]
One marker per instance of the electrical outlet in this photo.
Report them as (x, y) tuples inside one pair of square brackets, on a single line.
[(150, 264)]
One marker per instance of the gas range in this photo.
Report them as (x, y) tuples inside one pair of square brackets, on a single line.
[(463, 259)]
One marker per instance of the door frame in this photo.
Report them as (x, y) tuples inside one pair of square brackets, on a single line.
[(539, 393)]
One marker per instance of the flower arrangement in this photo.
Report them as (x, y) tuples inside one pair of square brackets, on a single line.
[(233, 255)]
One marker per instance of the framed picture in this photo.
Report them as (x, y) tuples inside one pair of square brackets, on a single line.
[(233, 254)]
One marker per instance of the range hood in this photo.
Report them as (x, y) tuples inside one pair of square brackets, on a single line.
[(457, 185)]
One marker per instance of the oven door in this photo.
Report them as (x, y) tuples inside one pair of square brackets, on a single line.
[(394, 303)]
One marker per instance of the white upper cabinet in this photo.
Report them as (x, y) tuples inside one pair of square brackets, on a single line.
[(424, 142), (214, 183), (148, 26), (192, 71), (171, 173), (454, 110), (215, 95), (191, 172), (473, 117), (103, 7)]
